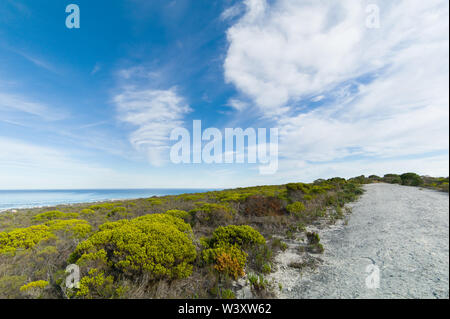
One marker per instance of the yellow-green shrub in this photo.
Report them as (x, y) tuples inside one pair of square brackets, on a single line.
[(40, 284), (118, 211), (241, 235), (155, 201), (178, 213), (76, 228), (87, 212), (157, 244), (54, 214), (190, 197), (96, 285), (23, 238), (211, 212), (295, 208), (102, 206)]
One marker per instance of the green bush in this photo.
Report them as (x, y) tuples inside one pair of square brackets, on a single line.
[(295, 208), (158, 244), (75, 228), (96, 285), (411, 179), (190, 197), (24, 238), (314, 243), (207, 213), (103, 206), (179, 213), (155, 201), (40, 284), (118, 211), (54, 214), (243, 236), (87, 212), (392, 179)]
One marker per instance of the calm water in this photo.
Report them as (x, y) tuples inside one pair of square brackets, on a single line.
[(37, 198)]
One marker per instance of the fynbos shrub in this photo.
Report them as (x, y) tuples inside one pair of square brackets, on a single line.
[(159, 245)]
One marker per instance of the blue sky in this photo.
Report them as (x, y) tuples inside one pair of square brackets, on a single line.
[(93, 107)]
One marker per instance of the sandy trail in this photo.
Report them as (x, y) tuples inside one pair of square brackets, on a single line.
[(403, 230)]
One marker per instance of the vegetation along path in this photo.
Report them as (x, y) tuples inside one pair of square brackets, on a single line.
[(404, 231)]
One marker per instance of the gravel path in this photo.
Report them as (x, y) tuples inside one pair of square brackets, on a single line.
[(404, 231)]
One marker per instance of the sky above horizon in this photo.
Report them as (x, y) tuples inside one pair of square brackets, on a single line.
[(94, 107)]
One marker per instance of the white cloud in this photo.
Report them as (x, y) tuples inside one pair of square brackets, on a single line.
[(96, 68), (285, 54), (155, 113), (237, 104), (37, 61), (232, 12), (27, 166), (16, 103), (317, 98)]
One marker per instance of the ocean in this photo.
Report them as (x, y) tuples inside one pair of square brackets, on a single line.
[(16, 199)]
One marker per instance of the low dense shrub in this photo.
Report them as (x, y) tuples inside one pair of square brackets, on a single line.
[(96, 285), (258, 205), (243, 236), (24, 238), (296, 208), (392, 179), (155, 201), (211, 213), (54, 214), (227, 259), (120, 212), (159, 245), (40, 284), (179, 213), (75, 228), (87, 212), (411, 179), (227, 246), (190, 197), (313, 238), (34, 289), (314, 245), (102, 206)]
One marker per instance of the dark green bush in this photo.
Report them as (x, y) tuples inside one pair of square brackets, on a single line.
[(411, 179)]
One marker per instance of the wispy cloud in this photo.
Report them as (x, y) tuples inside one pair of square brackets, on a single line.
[(16, 103), (96, 68), (385, 91), (232, 12), (25, 165), (42, 63), (237, 104), (153, 114)]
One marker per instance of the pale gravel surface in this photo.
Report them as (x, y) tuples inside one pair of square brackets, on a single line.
[(403, 230)]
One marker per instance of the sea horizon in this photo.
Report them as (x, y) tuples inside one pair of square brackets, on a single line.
[(33, 198)]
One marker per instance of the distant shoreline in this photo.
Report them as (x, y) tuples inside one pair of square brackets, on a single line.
[(32, 199)]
